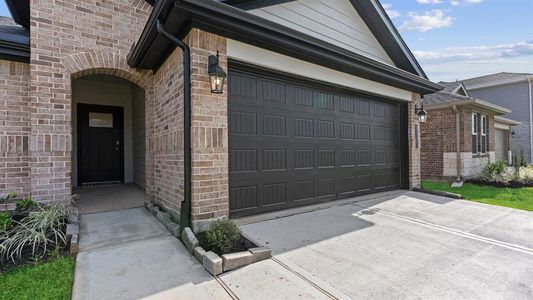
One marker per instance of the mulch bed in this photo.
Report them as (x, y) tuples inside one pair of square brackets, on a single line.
[(242, 245)]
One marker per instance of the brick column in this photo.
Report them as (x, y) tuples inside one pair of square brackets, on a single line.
[(210, 183), (414, 152)]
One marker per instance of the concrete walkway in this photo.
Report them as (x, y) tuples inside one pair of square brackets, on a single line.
[(128, 254), (109, 198)]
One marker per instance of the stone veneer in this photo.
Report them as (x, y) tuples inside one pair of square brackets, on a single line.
[(470, 164)]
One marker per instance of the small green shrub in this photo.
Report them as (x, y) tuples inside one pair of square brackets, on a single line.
[(495, 169), (221, 237), (519, 159), (38, 233), (25, 204), (5, 221)]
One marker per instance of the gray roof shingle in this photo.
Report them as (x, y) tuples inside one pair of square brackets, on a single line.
[(491, 78)]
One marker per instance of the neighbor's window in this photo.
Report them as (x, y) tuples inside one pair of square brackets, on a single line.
[(484, 130), (474, 132)]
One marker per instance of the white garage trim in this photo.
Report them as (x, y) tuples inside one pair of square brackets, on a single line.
[(268, 59)]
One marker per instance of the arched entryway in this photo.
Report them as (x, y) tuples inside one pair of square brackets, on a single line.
[(108, 142)]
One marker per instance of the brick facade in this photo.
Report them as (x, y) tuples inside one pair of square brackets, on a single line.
[(209, 132), (14, 127), (439, 152), (70, 38)]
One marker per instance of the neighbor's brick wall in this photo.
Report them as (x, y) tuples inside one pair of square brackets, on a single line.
[(71, 38), (14, 128), (439, 138), (438, 135)]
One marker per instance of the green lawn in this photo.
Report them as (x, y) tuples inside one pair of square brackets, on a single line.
[(48, 280), (520, 198)]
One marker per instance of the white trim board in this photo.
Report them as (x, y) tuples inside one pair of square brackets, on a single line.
[(279, 62)]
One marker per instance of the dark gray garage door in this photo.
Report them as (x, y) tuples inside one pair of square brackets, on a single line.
[(294, 143)]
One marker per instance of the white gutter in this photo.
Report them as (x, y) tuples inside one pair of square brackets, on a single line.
[(529, 80)]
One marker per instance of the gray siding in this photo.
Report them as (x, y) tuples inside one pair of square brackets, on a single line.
[(514, 97), (334, 21)]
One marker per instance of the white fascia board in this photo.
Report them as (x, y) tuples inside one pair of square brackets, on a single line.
[(501, 126), (502, 120), (264, 58)]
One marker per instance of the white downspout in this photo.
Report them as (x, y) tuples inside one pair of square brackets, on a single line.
[(530, 118)]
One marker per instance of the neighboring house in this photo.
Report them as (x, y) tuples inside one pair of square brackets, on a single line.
[(319, 104), (514, 91), (462, 133)]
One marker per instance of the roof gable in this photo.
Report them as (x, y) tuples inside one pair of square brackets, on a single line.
[(461, 90), (177, 18), (372, 14), (336, 22)]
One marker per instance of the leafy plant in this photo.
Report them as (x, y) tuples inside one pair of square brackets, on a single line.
[(41, 230), (495, 169), (519, 162), (5, 221), (221, 237), (25, 204)]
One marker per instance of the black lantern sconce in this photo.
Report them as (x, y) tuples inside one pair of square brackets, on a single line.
[(421, 113), (217, 76), (513, 133)]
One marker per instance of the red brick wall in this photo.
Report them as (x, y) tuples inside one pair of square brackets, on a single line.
[(432, 144), (439, 136), (14, 128)]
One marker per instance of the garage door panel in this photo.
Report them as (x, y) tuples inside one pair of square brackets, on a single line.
[(296, 144)]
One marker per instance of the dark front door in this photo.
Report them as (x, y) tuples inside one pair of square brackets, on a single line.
[(295, 142), (100, 144)]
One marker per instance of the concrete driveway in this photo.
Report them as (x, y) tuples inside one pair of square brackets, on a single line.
[(402, 245)]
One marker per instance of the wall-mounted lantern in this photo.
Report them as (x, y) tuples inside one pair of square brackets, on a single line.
[(217, 76), (421, 113)]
